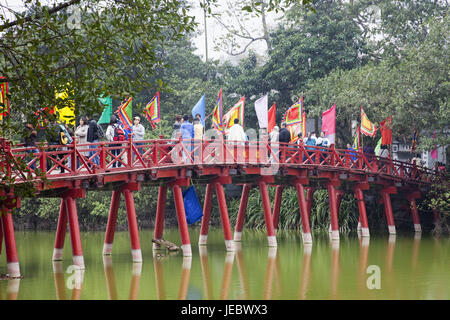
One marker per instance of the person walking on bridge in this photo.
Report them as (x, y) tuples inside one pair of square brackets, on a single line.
[(283, 137), (93, 137), (187, 134)]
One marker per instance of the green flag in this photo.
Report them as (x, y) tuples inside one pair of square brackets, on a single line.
[(378, 147), (106, 115)]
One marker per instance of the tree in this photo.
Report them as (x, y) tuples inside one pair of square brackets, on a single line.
[(112, 48)]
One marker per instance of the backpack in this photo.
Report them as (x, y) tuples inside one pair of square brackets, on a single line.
[(119, 134), (100, 133)]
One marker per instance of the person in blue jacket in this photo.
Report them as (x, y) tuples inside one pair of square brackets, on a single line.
[(187, 134)]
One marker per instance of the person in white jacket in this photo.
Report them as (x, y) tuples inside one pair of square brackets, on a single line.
[(236, 134)]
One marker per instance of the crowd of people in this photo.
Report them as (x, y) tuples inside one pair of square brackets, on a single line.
[(186, 129)]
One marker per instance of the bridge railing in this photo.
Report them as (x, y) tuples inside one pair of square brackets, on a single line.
[(92, 158)]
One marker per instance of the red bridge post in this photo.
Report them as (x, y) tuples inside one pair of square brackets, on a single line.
[(229, 244), (10, 243), (309, 200), (132, 225), (182, 223), (207, 203), (385, 194), (242, 210), (306, 234), (160, 210), (334, 211), (415, 213), (271, 239), (359, 195), (112, 219), (68, 213), (60, 232), (277, 206)]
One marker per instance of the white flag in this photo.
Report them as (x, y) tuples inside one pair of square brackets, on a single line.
[(261, 106)]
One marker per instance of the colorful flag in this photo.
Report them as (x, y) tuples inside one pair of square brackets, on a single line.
[(125, 113), (294, 130), (67, 110), (199, 108), (107, 111), (217, 113), (367, 127), (294, 114), (355, 145), (414, 141), (261, 111), (329, 123), (304, 124), (4, 101), (41, 114), (378, 147), (152, 110), (386, 131), (272, 118), (236, 112)]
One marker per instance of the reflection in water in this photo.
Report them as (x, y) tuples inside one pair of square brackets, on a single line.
[(206, 274), (228, 268), (185, 275), (241, 270), (74, 281), (305, 276), (390, 278), (111, 279), (271, 266), (415, 253), (363, 264), (334, 268), (159, 277), (12, 289)]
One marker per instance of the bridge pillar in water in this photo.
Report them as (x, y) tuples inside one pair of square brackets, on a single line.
[(359, 196), (216, 185), (309, 199), (386, 198), (415, 213), (271, 239), (207, 204), (306, 234), (7, 226), (160, 211), (112, 219), (334, 210), (68, 214), (242, 210), (277, 206), (127, 191), (182, 223)]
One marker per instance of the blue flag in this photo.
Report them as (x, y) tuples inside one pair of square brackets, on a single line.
[(192, 207), (200, 109)]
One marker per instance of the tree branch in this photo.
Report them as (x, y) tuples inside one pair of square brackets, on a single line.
[(55, 9)]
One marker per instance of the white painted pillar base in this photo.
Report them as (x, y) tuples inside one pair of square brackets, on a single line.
[(229, 244), (187, 250), (272, 241), (137, 255), (358, 228), (57, 254), (365, 232), (417, 228), (335, 235), (107, 249), (307, 238), (237, 236), (13, 269), (329, 228), (307, 248), (78, 261), (187, 262), (203, 240), (392, 230), (229, 258), (392, 238)]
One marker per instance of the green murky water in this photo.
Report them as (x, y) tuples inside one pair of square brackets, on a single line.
[(401, 267)]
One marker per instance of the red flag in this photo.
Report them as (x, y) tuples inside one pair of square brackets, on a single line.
[(329, 123), (272, 117), (386, 131)]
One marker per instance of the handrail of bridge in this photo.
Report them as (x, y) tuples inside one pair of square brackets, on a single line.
[(94, 158)]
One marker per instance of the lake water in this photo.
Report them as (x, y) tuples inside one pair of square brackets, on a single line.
[(401, 267)]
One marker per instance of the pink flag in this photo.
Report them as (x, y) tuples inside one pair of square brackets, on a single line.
[(329, 123)]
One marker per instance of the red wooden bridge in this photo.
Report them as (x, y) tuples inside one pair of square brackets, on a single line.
[(68, 171)]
